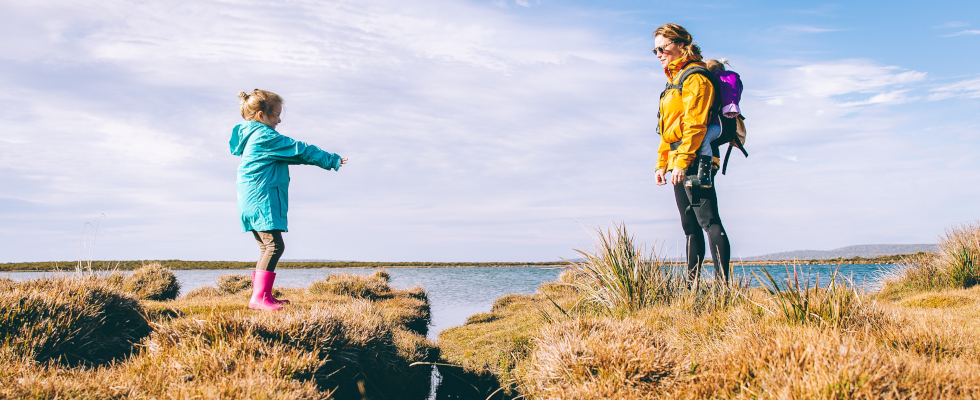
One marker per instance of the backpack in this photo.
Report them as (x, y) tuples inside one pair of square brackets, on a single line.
[(728, 90)]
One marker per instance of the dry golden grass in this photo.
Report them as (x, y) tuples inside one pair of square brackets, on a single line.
[(955, 266), (211, 345), (713, 341), (234, 283), (486, 349), (359, 286), (70, 320), (152, 282)]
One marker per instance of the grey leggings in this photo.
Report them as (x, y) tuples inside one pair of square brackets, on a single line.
[(271, 245)]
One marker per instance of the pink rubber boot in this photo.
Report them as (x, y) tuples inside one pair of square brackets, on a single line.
[(271, 297), (262, 292)]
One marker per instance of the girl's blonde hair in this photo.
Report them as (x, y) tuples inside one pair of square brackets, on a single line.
[(258, 100), (677, 34), (716, 65)]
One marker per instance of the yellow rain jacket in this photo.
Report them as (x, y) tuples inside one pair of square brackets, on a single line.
[(684, 117)]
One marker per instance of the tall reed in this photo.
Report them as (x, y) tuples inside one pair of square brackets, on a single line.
[(839, 304), (955, 266), (620, 278)]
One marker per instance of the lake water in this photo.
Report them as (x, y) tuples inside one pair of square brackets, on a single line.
[(457, 293)]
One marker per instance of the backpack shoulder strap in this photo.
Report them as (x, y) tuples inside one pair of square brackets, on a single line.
[(694, 70)]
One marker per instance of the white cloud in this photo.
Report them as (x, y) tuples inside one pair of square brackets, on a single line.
[(969, 89), (964, 33), (892, 97), (852, 76)]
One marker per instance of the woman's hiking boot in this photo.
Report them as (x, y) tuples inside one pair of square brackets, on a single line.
[(271, 297), (262, 292)]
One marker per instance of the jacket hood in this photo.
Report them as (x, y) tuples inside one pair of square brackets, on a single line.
[(241, 133)]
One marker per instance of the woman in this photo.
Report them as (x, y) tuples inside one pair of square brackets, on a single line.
[(683, 124)]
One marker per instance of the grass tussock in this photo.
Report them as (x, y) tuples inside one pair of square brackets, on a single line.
[(486, 350), (234, 283), (152, 282), (784, 339), (209, 345), (620, 277), (839, 304), (955, 266), (203, 292), (71, 320), (628, 358), (358, 286)]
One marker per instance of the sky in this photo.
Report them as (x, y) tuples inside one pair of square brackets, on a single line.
[(477, 130)]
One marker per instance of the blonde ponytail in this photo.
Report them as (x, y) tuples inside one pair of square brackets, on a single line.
[(258, 100)]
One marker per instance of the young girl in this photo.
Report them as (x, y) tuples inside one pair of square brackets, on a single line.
[(263, 184), (730, 93)]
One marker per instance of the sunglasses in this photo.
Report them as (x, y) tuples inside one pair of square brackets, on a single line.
[(660, 49)]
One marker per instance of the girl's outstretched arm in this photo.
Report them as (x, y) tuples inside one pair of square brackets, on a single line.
[(284, 148)]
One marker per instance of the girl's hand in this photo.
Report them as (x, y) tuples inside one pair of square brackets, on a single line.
[(661, 180), (343, 161), (677, 176)]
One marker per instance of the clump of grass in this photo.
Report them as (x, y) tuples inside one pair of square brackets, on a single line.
[(604, 357), (713, 295), (234, 283), (620, 278), (383, 275), (955, 266), (210, 346), (152, 282), (839, 305), (358, 286), (203, 292), (72, 320)]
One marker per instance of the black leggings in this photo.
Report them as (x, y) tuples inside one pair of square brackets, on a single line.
[(694, 219)]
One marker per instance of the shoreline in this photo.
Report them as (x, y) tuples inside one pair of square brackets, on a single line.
[(178, 265)]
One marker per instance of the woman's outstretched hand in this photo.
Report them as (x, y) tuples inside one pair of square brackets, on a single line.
[(661, 180), (343, 161), (677, 176)]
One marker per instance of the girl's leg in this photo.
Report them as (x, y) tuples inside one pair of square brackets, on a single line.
[(272, 247), (695, 238), (714, 131)]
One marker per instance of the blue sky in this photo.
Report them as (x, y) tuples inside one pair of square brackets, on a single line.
[(477, 130)]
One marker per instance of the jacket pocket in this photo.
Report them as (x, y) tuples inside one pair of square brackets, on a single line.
[(283, 202), (277, 203)]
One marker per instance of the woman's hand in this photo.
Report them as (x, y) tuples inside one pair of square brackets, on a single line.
[(677, 176), (661, 180), (343, 161)]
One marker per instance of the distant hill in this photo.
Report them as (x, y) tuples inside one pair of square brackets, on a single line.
[(861, 250)]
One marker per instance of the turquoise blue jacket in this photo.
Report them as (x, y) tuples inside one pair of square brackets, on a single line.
[(263, 176)]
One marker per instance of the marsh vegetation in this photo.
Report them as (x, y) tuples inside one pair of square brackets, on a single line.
[(625, 324), (99, 336)]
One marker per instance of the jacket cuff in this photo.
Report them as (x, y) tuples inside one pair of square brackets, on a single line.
[(682, 163)]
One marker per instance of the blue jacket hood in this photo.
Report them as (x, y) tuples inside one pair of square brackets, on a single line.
[(241, 133)]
